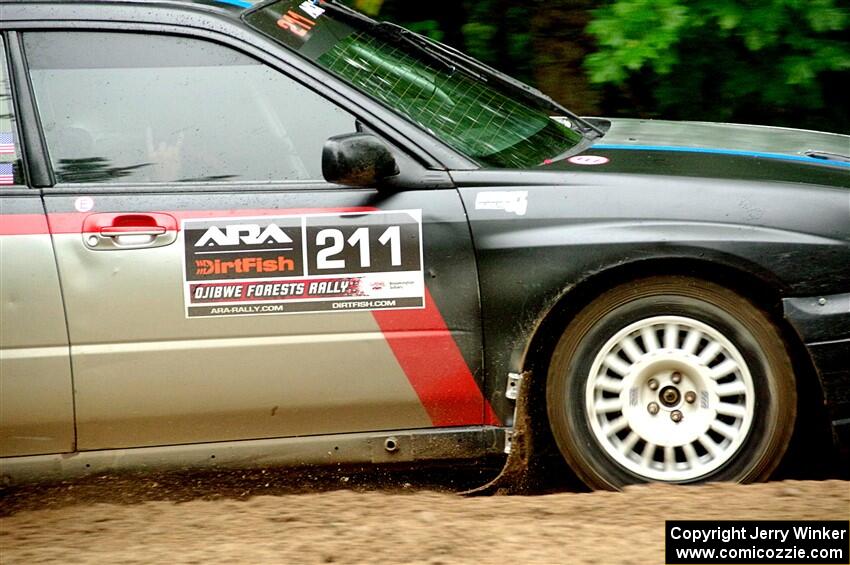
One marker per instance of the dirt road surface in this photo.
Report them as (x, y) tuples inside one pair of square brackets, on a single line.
[(149, 521)]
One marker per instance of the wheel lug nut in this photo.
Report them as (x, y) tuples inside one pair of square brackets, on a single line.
[(676, 416), (653, 408), (676, 377), (690, 397), (653, 384)]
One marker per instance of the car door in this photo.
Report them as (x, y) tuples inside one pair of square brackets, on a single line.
[(216, 287), (36, 406)]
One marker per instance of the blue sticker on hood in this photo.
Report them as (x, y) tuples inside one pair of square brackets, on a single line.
[(673, 148)]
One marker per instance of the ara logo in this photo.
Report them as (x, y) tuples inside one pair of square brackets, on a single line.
[(249, 234)]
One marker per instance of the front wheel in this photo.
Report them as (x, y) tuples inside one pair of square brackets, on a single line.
[(671, 379)]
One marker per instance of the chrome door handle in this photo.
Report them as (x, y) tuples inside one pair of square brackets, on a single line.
[(130, 230)]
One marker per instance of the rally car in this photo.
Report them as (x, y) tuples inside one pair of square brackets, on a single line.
[(286, 234)]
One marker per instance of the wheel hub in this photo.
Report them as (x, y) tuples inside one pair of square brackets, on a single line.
[(670, 396)]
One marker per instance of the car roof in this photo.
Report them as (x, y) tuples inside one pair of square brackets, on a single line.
[(232, 8)]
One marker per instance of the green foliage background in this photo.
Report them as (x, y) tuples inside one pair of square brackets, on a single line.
[(775, 62)]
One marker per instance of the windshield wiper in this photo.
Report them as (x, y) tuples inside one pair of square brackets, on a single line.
[(424, 46), (398, 34)]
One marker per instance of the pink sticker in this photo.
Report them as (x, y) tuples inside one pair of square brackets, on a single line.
[(588, 160), (84, 204)]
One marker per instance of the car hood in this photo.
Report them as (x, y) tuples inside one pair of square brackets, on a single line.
[(724, 151), (731, 137)]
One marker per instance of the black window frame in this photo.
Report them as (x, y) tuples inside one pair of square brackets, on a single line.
[(6, 61)]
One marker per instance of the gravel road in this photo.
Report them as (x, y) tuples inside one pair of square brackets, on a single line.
[(193, 519)]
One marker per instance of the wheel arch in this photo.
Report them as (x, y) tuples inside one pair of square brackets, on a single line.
[(755, 285)]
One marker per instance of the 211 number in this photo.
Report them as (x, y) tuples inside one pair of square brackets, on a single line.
[(359, 239)]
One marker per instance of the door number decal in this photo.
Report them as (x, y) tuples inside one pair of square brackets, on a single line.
[(335, 262)]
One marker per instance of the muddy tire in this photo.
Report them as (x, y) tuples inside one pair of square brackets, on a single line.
[(671, 379)]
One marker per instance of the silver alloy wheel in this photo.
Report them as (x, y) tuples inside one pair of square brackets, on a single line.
[(670, 398)]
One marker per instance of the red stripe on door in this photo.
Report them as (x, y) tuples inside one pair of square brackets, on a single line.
[(72, 222), (434, 365), (23, 224)]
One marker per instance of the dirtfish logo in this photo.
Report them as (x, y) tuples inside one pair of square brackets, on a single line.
[(249, 234), (206, 267)]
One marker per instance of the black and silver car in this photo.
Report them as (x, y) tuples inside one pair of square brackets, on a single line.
[(285, 234)]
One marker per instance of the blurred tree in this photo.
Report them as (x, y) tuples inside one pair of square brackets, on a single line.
[(782, 62), (560, 45)]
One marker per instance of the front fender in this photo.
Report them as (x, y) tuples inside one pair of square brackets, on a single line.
[(787, 242)]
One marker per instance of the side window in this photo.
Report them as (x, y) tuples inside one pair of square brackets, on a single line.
[(126, 107), (10, 149)]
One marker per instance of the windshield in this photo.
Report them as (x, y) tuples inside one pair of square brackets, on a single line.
[(477, 118)]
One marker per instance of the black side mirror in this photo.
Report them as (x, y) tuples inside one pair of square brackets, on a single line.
[(357, 159)]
